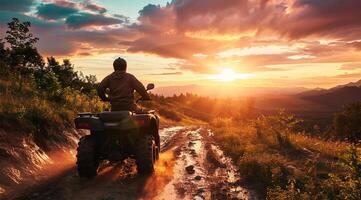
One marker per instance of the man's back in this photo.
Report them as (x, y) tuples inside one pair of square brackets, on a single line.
[(121, 87)]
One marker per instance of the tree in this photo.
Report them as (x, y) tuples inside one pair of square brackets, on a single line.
[(47, 81), (65, 72), (23, 55), (2, 50), (87, 84), (3, 66), (347, 123)]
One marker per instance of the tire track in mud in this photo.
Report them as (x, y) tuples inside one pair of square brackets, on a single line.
[(191, 166)]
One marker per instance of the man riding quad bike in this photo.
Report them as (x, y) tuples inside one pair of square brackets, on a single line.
[(126, 131)]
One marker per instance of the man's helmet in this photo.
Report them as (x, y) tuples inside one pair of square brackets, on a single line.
[(120, 64)]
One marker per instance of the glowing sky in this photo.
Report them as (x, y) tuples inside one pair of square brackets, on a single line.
[(258, 43)]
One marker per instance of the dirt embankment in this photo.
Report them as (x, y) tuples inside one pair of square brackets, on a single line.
[(24, 162), (191, 166)]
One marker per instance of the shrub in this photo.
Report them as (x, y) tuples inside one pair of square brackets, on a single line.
[(347, 123)]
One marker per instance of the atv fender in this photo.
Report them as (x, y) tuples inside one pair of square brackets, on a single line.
[(149, 125), (88, 122)]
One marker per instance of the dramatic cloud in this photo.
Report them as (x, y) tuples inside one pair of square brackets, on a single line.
[(6, 16), (61, 9), (16, 5), (350, 66), (54, 11), (349, 75), (334, 18), (81, 20), (65, 3), (204, 35), (174, 46), (356, 45), (88, 5)]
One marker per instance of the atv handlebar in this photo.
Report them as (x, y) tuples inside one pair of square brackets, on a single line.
[(150, 86)]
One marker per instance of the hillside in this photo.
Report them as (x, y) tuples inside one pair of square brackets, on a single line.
[(356, 84), (317, 91), (336, 98), (320, 91)]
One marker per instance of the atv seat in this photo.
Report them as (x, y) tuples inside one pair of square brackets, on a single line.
[(145, 112), (114, 116)]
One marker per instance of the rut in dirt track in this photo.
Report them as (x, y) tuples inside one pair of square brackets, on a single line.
[(191, 166)]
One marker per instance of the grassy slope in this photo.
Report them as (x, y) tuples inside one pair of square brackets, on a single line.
[(283, 163)]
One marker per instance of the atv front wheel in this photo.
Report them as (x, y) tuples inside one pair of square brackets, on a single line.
[(146, 155), (87, 163)]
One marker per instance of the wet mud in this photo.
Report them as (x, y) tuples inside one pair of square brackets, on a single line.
[(191, 166)]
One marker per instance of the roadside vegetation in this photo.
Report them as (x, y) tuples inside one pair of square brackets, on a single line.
[(39, 100), (39, 97), (274, 154)]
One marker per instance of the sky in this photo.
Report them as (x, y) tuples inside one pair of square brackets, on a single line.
[(250, 43)]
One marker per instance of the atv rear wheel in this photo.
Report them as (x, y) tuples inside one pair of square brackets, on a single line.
[(87, 163), (146, 155)]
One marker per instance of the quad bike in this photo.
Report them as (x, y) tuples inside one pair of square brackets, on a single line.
[(115, 136)]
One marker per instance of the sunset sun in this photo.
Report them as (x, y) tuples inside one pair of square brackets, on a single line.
[(227, 75)]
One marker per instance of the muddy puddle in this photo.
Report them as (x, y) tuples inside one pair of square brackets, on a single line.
[(202, 171)]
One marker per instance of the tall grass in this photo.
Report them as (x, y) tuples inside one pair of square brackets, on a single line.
[(282, 162)]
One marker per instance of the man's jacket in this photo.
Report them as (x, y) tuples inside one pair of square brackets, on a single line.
[(121, 88)]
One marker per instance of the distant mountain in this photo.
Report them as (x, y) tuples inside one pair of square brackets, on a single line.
[(224, 91), (336, 97), (321, 91), (356, 84), (313, 92)]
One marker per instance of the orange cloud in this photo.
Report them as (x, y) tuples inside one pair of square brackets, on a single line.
[(198, 32)]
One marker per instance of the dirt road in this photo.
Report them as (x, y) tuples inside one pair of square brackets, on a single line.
[(191, 166)]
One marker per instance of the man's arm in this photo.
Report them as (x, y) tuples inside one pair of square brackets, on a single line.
[(102, 89), (139, 87)]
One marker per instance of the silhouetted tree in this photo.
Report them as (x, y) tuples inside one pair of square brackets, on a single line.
[(347, 124), (22, 59), (2, 50), (65, 72), (23, 56), (3, 66)]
